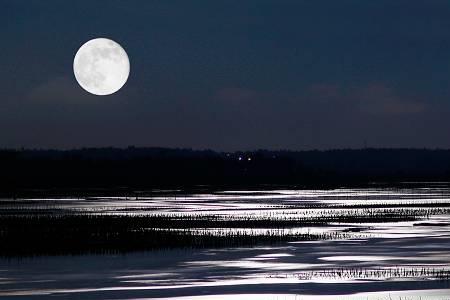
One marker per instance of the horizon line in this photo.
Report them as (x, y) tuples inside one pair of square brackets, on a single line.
[(123, 148)]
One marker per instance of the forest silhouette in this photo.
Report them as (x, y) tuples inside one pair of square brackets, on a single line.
[(147, 168)]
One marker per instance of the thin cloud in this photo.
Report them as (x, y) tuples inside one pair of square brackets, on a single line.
[(378, 99), (60, 90)]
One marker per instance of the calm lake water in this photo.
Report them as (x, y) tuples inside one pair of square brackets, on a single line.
[(377, 260)]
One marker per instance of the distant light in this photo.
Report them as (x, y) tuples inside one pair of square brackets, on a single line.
[(249, 159), (240, 158)]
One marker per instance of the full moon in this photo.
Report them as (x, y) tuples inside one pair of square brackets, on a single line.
[(101, 66)]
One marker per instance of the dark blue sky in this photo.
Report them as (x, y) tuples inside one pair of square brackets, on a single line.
[(230, 75)]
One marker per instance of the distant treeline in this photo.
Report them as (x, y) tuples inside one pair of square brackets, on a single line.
[(142, 168)]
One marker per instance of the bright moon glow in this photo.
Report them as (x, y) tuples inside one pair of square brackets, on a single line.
[(101, 66)]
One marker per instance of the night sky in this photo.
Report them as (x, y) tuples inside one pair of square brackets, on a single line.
[(230, 75)]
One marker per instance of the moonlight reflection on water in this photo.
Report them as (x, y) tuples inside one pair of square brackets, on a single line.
[(398, 259)]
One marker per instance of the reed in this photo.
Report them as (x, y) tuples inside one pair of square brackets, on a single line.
[(377, 273), (72, 234)]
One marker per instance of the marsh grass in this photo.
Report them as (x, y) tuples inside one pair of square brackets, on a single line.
[(50, 228), (73, 238), (422, 273)]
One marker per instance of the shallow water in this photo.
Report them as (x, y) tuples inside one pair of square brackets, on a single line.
[(379, 261)]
